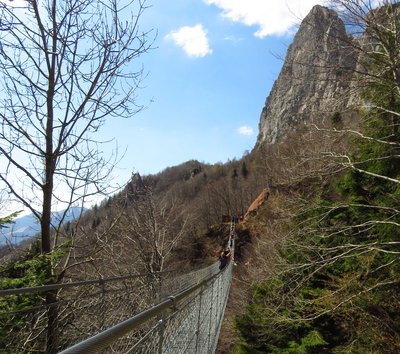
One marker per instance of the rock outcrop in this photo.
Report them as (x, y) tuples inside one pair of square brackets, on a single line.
[(258, 202), (315, 78)]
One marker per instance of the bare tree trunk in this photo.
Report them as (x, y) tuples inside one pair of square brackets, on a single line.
[(62, 72)]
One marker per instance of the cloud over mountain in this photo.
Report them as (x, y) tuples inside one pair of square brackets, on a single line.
[(271, 17)]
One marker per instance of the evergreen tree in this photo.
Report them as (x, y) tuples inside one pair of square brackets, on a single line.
[(339, 288)]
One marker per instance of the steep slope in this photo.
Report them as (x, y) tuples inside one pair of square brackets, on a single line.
[(314, 81), (333, 281)]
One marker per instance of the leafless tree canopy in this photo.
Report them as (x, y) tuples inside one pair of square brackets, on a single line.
[(65, 67)]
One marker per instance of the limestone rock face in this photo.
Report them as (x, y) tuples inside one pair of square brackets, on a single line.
[(315, 78)]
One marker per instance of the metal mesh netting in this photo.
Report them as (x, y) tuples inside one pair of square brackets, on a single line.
[(195, 327), (91, 308), (189, 326), (82, 311)]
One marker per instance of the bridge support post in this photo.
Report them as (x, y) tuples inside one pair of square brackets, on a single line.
[(198, 332), (161, 335)]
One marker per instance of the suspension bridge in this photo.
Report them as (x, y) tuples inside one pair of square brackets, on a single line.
[(112, 315)]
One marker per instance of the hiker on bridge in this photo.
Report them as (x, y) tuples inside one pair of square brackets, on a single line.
[(224, 258)]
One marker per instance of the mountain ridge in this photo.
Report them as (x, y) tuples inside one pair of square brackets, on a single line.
[(315, 79), (27, 226)]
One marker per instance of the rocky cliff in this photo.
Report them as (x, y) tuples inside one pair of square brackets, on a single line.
[(315, 79)]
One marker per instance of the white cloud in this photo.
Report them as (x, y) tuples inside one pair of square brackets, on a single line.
[(271, 17), (193, 40), (245, 130)]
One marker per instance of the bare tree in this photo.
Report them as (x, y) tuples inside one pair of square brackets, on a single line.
[(156, 227), (354, 230), (373, 162), (65, 67), (338, 274)]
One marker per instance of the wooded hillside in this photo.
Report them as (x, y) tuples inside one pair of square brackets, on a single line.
[(318, 255)]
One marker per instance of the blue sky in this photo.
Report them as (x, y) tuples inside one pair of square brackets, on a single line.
[(214, 65)]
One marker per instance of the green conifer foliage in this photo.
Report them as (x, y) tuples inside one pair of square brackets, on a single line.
[(338, 291)]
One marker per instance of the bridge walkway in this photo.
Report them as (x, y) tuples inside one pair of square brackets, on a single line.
[(95, 313)]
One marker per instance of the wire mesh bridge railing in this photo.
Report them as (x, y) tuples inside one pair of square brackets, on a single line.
[(112, 315)]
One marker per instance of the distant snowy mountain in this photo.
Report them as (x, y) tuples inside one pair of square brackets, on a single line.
[(27, 226)]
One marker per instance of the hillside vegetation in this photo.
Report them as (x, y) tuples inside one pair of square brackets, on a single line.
[(318, 255), (334, 279)]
